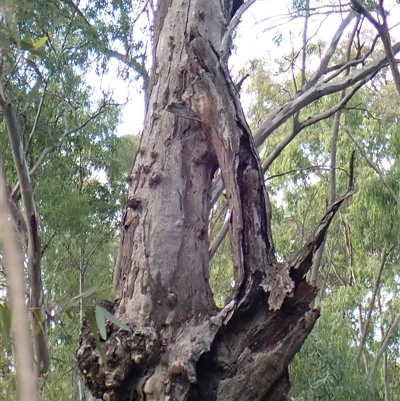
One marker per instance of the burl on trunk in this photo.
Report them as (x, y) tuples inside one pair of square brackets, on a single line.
[(181, 346)]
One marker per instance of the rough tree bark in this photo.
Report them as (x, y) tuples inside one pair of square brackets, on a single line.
[(181, 346)]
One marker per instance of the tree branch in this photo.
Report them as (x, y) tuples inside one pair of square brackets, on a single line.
[(310, 121), (219, 238), (383, 31), (352, 63), (49, 149), (124, 58), (318, 91), (328, 54), (304, 99), (226, 40), (333, 154), (385, 343), (296, 170), (385, 254), (218, 185), (36, 121)]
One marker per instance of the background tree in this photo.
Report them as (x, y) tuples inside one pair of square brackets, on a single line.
[(66, 185)]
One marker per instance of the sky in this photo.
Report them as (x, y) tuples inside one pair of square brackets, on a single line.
[(255, 39)]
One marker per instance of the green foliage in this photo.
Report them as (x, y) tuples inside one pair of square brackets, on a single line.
[(101, 316), (78, 163), (325, 368), (298, 182), (221, 273)]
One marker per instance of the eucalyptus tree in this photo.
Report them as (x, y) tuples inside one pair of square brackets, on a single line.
[(172, 342)]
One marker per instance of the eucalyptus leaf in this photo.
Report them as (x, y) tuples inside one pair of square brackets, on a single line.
[(92, 320), (114, 320), (101, 316), (40, 42), (85, 294)]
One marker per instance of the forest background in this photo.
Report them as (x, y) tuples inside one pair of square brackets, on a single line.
[(63, 66)]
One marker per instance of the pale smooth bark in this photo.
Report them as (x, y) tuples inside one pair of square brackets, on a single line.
[(385, 342), (36, 305), (14, 269)]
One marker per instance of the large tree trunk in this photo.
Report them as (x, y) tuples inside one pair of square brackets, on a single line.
[(181, 346)]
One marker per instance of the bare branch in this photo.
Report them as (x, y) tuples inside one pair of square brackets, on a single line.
[(226, 40), (219, 238), (358, 7), (298, 170), (358, 77), (310, 121), (383, 31), (385, 342), (318, 91), (36, 121), (352, 63), (304, 99), (329, 53)]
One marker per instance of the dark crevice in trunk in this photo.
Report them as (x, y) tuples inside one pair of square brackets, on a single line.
[(181, 347)]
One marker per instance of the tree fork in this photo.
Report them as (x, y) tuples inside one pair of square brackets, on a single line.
[(181, 347)]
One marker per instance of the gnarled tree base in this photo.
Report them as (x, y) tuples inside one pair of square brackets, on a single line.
[(247, 359)]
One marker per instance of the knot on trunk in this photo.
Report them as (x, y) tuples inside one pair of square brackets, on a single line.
[(111, 367)]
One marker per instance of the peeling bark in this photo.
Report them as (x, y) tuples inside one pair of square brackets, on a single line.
[(181, 347)]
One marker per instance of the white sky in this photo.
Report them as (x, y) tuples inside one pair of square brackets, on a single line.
[(252, 42)]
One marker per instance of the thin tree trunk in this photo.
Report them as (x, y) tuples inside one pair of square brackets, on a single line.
[(333, 155), (38, 315), (383, 30), (388, 393), (365, 328), (14, 269), (80, 381), (304, 48)]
